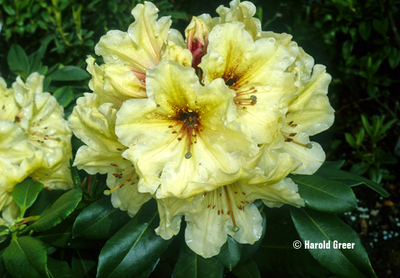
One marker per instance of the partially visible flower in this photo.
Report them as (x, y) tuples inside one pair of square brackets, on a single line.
[(34, 138), (94, 124), (228, 210)]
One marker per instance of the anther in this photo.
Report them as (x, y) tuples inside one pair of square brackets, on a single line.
[(188, 155)]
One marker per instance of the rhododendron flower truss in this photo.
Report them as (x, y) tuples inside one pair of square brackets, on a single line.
[(228, 210), (182, 139), (94, 124)]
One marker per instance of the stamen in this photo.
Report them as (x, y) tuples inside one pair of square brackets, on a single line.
[(45, 137), (235, 227), (108, 192), (287, 139)]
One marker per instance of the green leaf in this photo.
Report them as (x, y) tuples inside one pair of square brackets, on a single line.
[(359, 168), (69, 73), (317, 227), (365, 30), (394, 57), (64, 95), (375, 174), (230, 253), (26, 257), (59, 269), (381, 26), (351, 179), (82, 266), (276, 256), (337, 197), (333, 164), (18, 61), (366, 124), (25, 193), (58, 211), (61, 236), (347, 49), (350, 139), (248, 269), (45, 199), (190, 264), (133, 248), (100, 220), (360, 137)]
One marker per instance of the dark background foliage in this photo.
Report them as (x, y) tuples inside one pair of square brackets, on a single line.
[(358, 41)]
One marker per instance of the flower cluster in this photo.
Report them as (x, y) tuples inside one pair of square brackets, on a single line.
[(35, 140), (205, 125)]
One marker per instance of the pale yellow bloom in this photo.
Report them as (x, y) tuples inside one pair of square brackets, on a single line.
[(94, 124), (34, 138), (228, 210), (181, 139)]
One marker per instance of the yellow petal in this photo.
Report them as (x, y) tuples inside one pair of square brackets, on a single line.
[(141, 46)]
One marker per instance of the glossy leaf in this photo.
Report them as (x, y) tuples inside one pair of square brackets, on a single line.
[(59, 269), (64, 95), (100, 220), (18, 61), (69, 73), (83, 266), (61, 236), (350, 179), (317, 227), (337, 197), (276, 256), (248, 269), (26, 257), (45, 199), (230, 253), (135, 247), (337, 164), (190, 264), (58, 211), (25, 193)]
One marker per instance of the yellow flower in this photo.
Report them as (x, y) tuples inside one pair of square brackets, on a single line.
[(182, 139), (228, 210), (94, 124), (34, 138)]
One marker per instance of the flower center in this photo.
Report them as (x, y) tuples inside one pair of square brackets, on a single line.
[(190, 122)]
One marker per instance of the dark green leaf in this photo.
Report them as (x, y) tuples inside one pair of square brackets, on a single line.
[(359, 168), (100, 220), (230, 253), (276, 256), (45, 199), (26, 192), (351, 140), (59, 269), (394, 57), (365, 30), (18, 61), (135, 247), (69, 73), (351, 179), (333, 164), (375, 174), (248, 269), (190, 264), (26, 257), (317, 227), (338, 197), (381, 26), (82, 266), (64, 95), (61, 236), (347, 49), (58, 211)]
